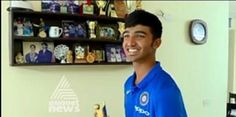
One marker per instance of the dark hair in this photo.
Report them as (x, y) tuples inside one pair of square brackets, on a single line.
[(44, 44), (147, 19), (32, 45)]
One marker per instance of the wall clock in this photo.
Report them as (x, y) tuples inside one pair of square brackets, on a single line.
[(198, 31)]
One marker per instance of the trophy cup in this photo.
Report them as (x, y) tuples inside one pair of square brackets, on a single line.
[(100, 111), (92, 25), (138, 4), (101, 4), (121, 28)]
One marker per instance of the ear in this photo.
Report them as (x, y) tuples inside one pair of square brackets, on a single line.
[(156, 44)]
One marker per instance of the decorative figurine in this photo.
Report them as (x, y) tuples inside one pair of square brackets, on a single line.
[(92, 25), (28, 28), (19, 58), (69, 57), (18, 25), (101, 4), (42, 28)]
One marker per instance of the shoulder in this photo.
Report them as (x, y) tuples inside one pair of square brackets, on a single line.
[(165, 85)]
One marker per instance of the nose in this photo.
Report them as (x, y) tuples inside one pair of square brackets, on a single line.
[(131, 41)]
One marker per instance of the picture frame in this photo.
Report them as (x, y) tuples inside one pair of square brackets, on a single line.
[(111, 53), (57, 5), (107, 31), (40, 55), (120, 50), (88, 9), (73, 29), (100, 55)]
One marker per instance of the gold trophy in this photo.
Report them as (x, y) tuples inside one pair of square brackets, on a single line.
[(121, 28), (138, 4), (92, 25), (100, 111), (101, 4)]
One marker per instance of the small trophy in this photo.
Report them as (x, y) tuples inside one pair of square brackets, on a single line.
[(101, 4), (138, 4), (121, 28), (92, 25), (80, 54), (69, 56), (19, 58)]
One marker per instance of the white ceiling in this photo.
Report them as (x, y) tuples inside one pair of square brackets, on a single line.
[(232, 9)]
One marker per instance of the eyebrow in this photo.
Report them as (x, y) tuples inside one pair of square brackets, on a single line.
[(135, 32)]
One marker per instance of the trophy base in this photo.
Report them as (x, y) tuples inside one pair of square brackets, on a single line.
[(80, 61)]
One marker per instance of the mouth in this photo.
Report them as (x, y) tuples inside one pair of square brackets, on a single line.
[(132, 51)]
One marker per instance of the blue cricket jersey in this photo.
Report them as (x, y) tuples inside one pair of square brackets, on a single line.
[(157, 95)]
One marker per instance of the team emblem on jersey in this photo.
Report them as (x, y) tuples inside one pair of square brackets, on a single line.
[(144, 98)]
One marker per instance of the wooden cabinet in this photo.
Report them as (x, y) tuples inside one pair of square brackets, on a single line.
[(100, 50)]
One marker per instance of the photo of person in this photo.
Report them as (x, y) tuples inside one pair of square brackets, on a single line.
[(38, 52), (45, 55), (32, 56)]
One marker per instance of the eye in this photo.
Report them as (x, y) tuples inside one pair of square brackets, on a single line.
[(125, 35), (140, 35)]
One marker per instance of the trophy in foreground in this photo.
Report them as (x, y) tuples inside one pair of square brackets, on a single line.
[(100, 111)]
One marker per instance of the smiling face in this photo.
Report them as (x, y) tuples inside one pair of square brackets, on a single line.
[(139, 45)]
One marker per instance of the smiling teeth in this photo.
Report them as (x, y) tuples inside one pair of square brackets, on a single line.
[(132, 50)]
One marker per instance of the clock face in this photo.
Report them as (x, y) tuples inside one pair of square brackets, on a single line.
[(199, 32)]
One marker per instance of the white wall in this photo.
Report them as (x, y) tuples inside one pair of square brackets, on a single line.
[(232, 57), (201, 71)]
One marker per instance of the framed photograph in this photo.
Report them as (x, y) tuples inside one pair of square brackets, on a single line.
[(74, 29), (107, 31), (111, 53), (68, 27), (38, 52), (88, 9), (120, 50), (80, 30), (100, 55)]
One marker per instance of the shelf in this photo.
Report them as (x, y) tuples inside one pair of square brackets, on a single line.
[(106, 47), (67, 15), (65, 64), (38, 39)]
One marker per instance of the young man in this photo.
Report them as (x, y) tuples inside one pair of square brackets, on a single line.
[(150, 91)]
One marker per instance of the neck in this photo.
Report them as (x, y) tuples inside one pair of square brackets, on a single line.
[(142, 69)]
